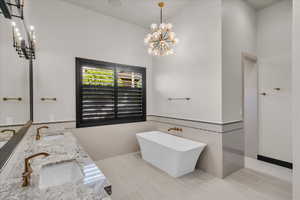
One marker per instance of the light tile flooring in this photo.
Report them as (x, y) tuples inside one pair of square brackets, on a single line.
[(134, 179)]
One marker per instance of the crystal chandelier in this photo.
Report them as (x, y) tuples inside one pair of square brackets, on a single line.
[(161, 40)]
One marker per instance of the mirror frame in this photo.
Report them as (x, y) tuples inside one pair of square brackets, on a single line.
[(7, 150)]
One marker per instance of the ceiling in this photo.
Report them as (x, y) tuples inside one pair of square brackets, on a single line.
[(140, 12), (260, 4), (146, 12)]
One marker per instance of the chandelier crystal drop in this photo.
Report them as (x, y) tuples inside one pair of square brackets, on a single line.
[(161, 40)]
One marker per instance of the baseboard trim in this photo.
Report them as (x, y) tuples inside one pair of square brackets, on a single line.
[(275, 161), (197, 121)]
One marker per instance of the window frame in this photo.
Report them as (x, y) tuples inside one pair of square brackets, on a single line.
[(80, 62)]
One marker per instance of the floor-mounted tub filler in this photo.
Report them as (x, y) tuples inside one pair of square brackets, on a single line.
[(174, 155)]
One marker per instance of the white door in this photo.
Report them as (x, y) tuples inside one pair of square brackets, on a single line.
[(275, 109)]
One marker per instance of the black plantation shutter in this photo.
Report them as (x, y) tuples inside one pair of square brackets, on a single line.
[(109, 93)]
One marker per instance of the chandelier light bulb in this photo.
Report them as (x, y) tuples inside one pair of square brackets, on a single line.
[(31, 28), (176, 40), (169, 26), (162, 26), (13, 24), (153, 27), (171, 36), (20, 38)]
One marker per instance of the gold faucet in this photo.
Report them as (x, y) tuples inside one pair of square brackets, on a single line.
[(38, 134), (28, 170), (175, 129), (9, 130)]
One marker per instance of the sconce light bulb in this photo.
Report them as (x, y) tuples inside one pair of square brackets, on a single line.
[(31, 28)]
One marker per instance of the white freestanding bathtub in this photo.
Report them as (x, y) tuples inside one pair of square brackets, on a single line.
[(174, 155)]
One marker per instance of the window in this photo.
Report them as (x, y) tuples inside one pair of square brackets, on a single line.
[(109, 93)]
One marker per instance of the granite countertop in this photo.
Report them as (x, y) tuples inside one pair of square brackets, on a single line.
[(61, 149)]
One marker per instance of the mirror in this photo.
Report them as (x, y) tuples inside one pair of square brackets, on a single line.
[(14, 87)]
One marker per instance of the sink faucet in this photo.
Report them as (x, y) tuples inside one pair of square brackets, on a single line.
[(9, 130), (38, 134), (175, 129), (28, 170)]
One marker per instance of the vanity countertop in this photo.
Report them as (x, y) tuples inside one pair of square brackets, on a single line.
[(90, 185)]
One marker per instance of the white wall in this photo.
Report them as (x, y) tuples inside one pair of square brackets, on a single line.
[(296, 98), (238, 36), (14, 79), (65, 31), (195, 70), (274, 50)]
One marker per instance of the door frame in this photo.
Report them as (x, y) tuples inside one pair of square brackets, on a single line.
[(253, 59)]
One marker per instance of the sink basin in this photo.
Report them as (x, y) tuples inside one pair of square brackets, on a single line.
[(53, 137), (59, 174), (2, 143)]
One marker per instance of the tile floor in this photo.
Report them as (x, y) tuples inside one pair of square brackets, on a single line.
[(134, 179)]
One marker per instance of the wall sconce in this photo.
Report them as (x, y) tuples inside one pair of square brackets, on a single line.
[(12, 8), (24, 50), (15, 8)]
